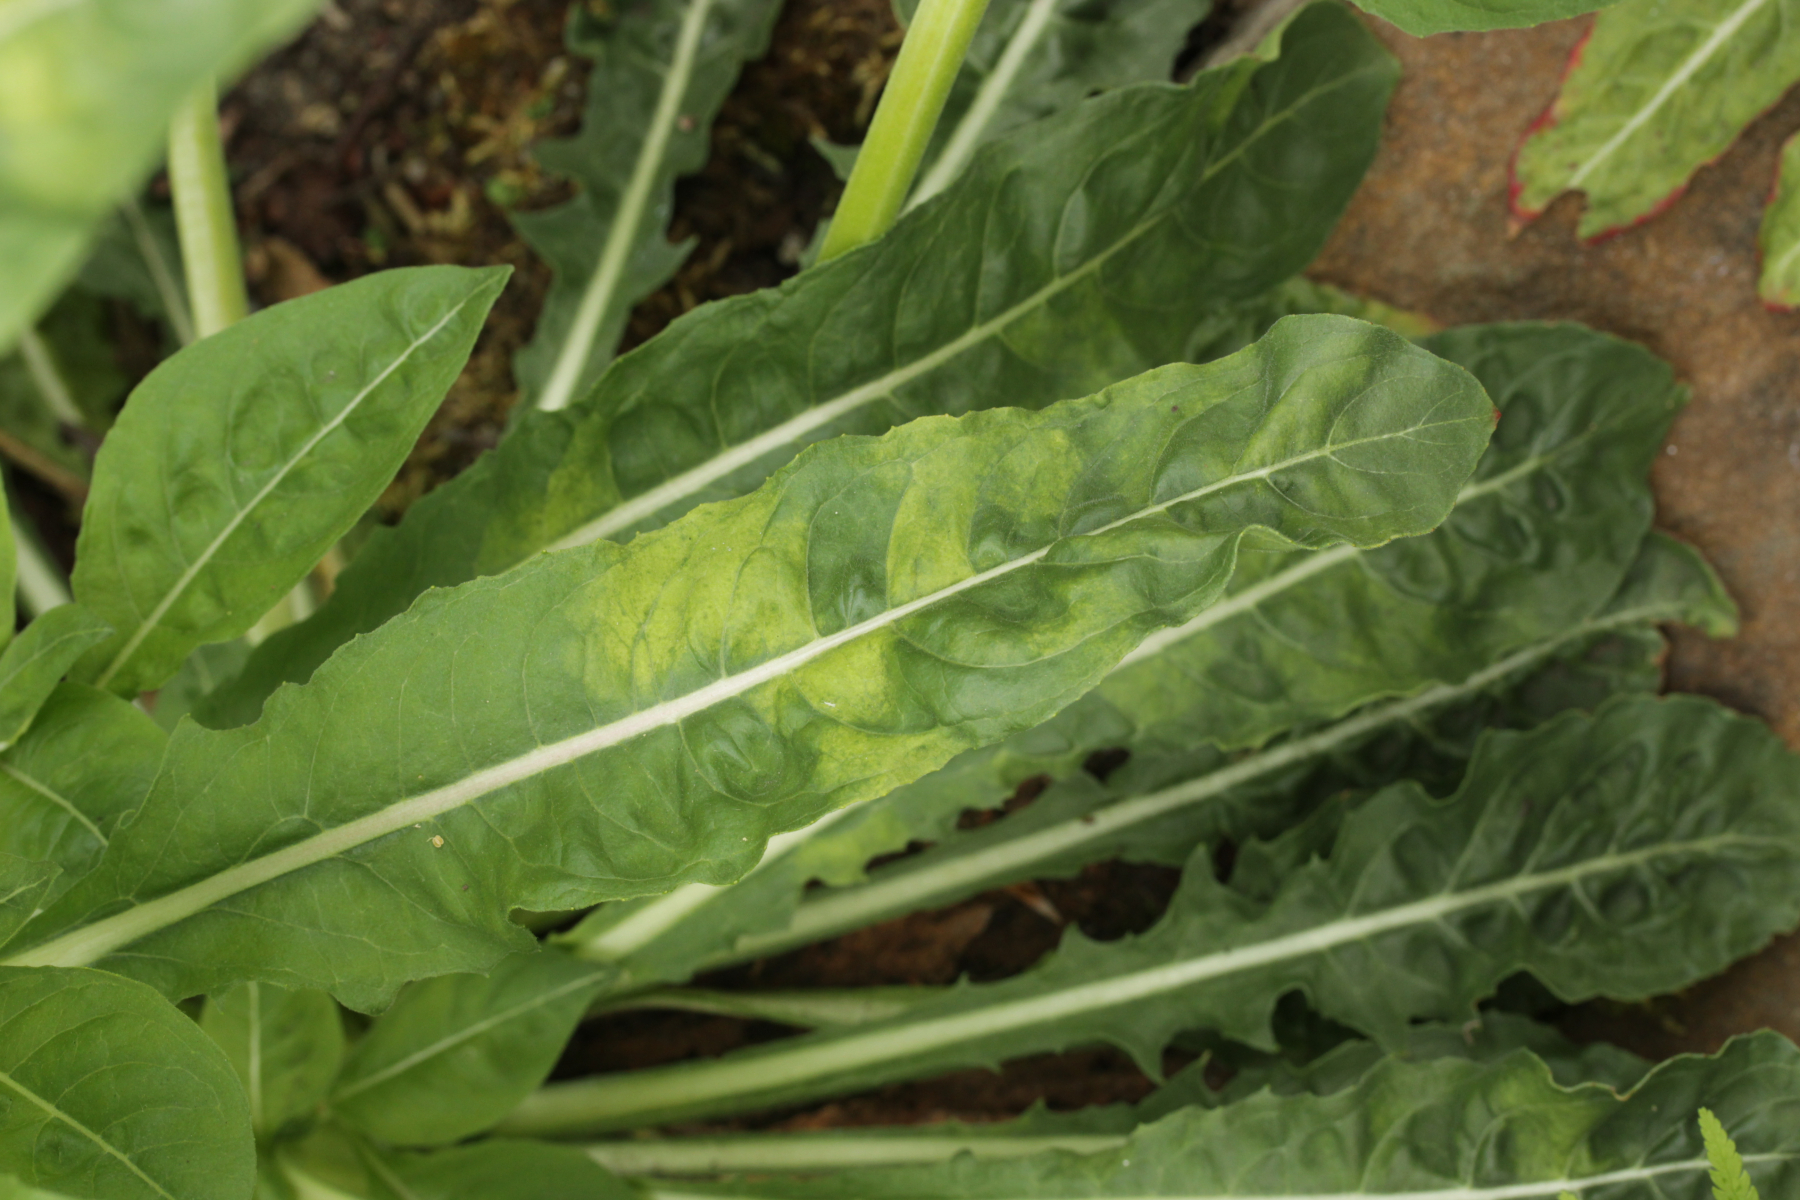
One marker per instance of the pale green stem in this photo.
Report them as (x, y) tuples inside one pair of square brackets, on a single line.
[(808, 1008), (41, 585), (174, 303), (203, 214), (974, 124), (47, 378), (908, 114)]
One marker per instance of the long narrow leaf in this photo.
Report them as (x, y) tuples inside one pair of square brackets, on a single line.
[(661, 70), (879, 606), (1096, 245), (239, 461), (1624, 854)]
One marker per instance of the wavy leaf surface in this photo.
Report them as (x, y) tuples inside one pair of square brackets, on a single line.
[(660, 72), (239, 461), (113, 1094), (1658, 845), (1658, 89), (91, 85), (1410, 1131), (1537, 543), (1129, 223), (879, 606)]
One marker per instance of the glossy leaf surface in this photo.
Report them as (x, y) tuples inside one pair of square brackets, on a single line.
[(660, 72), (284, 1045), (113, 1094), (879, 606), (34, 662), (1659, 845), (238, 462), (1129, 223), (1658, 89), (1475, 1131), (86, 762), (90, 87)]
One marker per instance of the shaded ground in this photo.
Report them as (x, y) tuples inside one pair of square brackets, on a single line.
[(1430, 231), (396, 131)]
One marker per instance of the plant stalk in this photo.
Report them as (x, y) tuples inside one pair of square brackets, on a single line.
[(203, 215), (41, 585), (904, 122), (782, 1153)]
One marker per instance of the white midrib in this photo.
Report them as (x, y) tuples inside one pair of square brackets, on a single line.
[(57, 1114), (467, 1033), (835, 1151), (1692, 63), (87, 944), (1513, 1191), (655, 918), (854, 907), (572, 359), (253, 1056), (55, 798), (206, 556), (649, 503), (684, 1088), (987, 100)]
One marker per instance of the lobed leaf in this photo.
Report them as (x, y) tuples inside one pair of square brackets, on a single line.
[(239, 461), (879, 606), (284, 1045), (1626, 853), (660, 72), (1477, 1131), (90, 88), (1655, 91), (1099, 244), (113, 1094)]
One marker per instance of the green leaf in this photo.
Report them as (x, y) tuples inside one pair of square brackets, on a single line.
[(284, 1045), (24, 882), (1421, 18), (455, 1054), (1536, 544), (1729, 1179), (113, 1094), (33, 663), (1779, 239), (1626, 853), (137, 258), (1476, 1131), (1658, 89), (660, 72), (91, 85), (1101, 274), (60, 382), (9, 576), (85, 763), (1032, 58), (12, 1189), (501, 1170), (239, 461), (877, 607)]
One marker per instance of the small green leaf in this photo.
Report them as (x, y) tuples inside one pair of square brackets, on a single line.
[(1779, 238), (455, 1054), (284, 1045), (112, 1094), (1729, 1179), (239, 461), (37, 659), (1658, 89)]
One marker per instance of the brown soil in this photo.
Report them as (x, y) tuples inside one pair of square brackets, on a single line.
[(1430, 231)]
